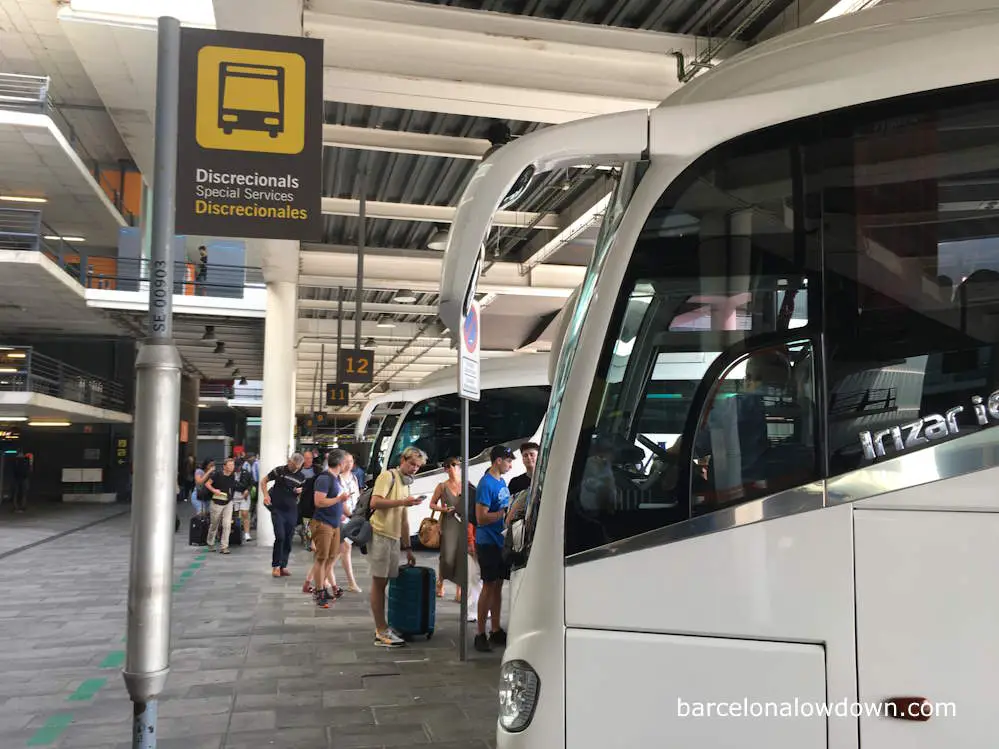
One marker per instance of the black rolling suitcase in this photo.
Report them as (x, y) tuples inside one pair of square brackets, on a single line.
[(412, 602), (198, 534), (236, 532)]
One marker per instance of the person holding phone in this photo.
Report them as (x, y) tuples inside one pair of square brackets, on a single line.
[(390, 534)]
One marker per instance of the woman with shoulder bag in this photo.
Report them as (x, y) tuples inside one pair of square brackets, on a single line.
[(447, 501)]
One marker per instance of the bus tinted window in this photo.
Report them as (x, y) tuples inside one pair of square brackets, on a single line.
[(501, 415), (912, 265), (721, 262)]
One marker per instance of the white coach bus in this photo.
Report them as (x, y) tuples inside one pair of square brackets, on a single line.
[(514, 398), (813, 562)]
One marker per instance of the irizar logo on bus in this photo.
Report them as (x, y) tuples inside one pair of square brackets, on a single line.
[(927, 429)]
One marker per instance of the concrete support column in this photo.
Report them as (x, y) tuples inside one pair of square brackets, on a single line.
[(279, 379)]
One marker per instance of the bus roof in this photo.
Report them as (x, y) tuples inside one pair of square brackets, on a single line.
[(510, 371)]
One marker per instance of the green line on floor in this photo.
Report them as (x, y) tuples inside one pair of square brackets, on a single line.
[(52, 729), (195, 565), (114, 660), (186, 574), (176, 587), (201, 557), (87, 689)]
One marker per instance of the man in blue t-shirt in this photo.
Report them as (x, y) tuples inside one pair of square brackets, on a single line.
[(492, 498)]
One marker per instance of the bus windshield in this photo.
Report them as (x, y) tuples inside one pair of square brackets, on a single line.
[(378, 431)]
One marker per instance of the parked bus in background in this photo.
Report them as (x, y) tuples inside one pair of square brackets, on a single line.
[(511, 409), (811, 562)]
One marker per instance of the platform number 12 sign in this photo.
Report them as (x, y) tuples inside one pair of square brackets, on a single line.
[(355, 365)]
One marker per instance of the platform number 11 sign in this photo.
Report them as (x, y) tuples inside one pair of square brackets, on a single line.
[(355, 365)]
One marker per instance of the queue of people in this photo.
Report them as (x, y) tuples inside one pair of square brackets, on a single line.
[(323, 494)]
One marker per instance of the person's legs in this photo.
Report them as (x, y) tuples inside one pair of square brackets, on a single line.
[(378, 602), (279, 532), (213, 526), (323, 541), (21, 495), (289, 523), (226, 515), (485, 602), (348, 566)]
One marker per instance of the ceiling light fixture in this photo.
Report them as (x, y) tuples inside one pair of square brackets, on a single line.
[(13, 418), (58, 238), (384, 321), (9, 370), (49, 424), (229, 363), (438, 241), (220, 347), (369, 343), (235, 373), (242, 381), (17, 355), (202, 405), (404, 296), (209, 333), (23, 199)]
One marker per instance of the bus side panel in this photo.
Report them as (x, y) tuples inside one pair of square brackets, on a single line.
[(927, 618), (974, 492), (641, 690), (786, 579)]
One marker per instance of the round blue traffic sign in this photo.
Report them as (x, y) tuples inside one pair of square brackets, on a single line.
[(471, 330)]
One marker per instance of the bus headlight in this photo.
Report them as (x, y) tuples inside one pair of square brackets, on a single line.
[(518, 695)]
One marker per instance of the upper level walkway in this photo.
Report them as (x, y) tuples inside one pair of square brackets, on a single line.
[(255, 664)]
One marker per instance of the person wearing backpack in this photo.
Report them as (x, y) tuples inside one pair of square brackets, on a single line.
[(390, 500)]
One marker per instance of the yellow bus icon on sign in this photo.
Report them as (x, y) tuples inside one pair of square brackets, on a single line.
[(250, 100), (251, 97)]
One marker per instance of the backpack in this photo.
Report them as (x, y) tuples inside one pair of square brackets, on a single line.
[(363, 507)]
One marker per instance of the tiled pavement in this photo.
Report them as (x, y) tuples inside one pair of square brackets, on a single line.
[(255, 663)]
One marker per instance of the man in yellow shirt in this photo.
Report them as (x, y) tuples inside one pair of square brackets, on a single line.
[(390, 533)]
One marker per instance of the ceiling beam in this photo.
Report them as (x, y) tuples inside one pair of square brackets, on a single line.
[(393, 308), (424, 274), (411, 55), (437, 214), (587, 211), (399, 141)]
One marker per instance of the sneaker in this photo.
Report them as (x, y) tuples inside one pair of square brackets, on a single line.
[(307, 587), (498, 638), (388, 639), (323, 599), (338, 592), (482, 644), (224, 551), (284, 572), (246, 537), (275, 572), (212, 547)]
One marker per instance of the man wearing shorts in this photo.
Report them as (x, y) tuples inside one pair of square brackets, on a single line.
[(325, 526), (390, 534), (492, 498)]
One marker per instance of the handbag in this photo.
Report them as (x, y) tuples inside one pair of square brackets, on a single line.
[(430, 532)]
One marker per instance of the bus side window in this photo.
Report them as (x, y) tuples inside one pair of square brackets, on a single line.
[(756, 433)]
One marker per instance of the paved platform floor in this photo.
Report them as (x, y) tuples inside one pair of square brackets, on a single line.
[(255, 663)]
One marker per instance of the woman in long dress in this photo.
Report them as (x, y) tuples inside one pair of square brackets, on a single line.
[(447, 500)]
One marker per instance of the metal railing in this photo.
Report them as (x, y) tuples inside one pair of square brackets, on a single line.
[(30, 93), (24, 370), (23, 229)]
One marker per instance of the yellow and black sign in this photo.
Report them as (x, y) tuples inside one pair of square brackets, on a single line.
[(250, 145), (319, 418), (355, 365), (337, 394)]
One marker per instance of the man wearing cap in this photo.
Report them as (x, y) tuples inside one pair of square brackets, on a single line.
[(492, 498)]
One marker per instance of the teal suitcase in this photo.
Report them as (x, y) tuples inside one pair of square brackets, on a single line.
[(412, 602)]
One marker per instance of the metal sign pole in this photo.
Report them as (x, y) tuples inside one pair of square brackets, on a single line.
[(463, 554), (361, 238), (157, 426)]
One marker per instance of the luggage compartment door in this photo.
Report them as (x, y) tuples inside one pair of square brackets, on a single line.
[(928, 625)]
